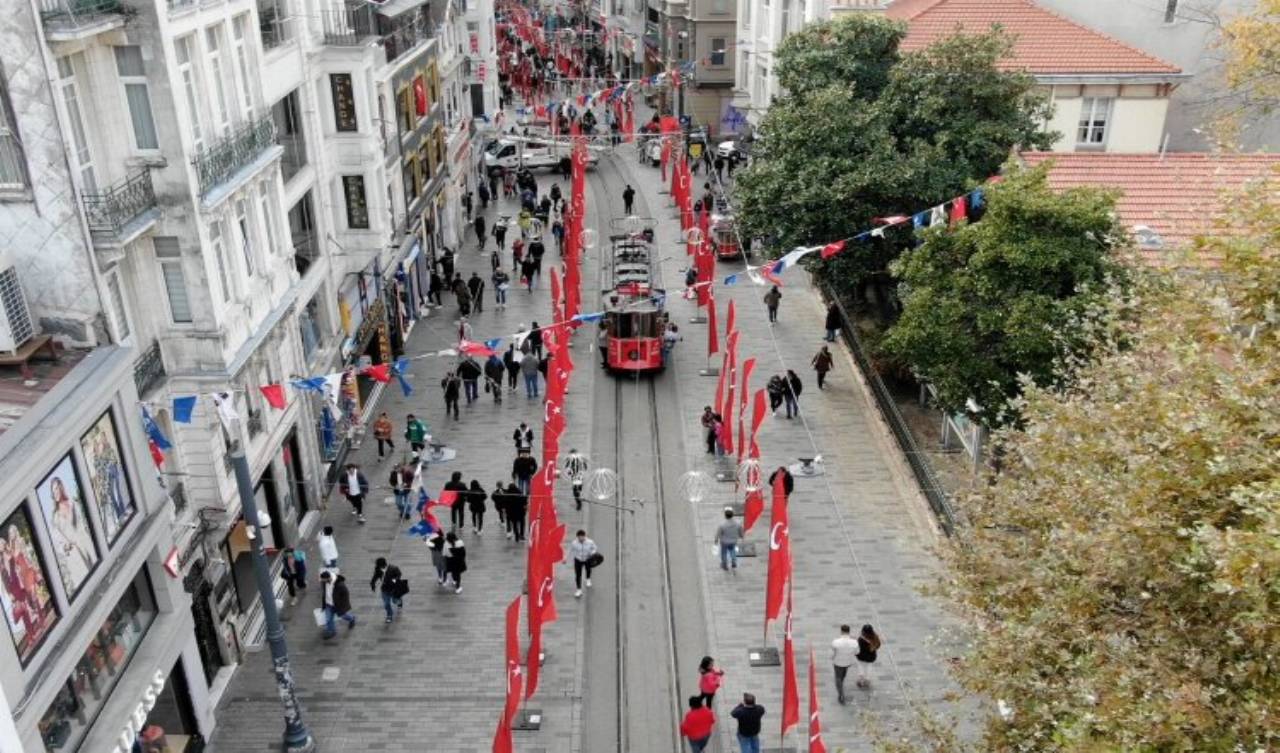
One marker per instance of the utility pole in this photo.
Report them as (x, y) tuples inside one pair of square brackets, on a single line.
[(297, 738)]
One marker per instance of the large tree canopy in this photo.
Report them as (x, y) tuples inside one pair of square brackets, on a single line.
[(989, 303), (1123, 570), (864, 131)]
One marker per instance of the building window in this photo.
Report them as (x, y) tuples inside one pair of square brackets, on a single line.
[(76, 706), (79, 137), (268, 216), (175, 281), (1094, 114), (244, 219), (344, 102), (410, 179), (357, 206), (219, 254), (221, 113), (134, 78), (1171, 11), (186, 70), (784, 27), (239, 33), (420, 97), (717, 50), (404, 99), (13, 166), (273, 22), (118, 311)]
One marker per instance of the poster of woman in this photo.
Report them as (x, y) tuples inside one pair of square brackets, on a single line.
[(67, 518), (24, 589), (107, 477)]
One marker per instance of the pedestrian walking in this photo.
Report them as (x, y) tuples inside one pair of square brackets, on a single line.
[(529, 369), (844, 652), (511, 361), (776, 386), (455, 560), (523, 468), (517, 254), (388, 581), (771, 300), (354, 486), (293, 571), (698, 723), (536, 251), (500, 234), (788, 481), (748, 713), (523, 437), (452, 387), (727, 536), (792, 388), (708, 421), (710, 678), (475, 286), (458, 503), (328, 547), (528, 269), (336, 602), (575, 467), (584, 555), (868, 645), (483, 191), (446, 266), (535, 339), (719, 163), (499, 497), (435, 543), (382, 430), (470, 372), (501, 283), (628, 198), (466, 204), (435, 287), (833, 322), (493, 373), (415, 433), (494, 180), (401, 482), (822, 363), (517, 506), (476, 497), (479, 225)]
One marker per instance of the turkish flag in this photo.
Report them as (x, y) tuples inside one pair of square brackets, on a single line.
[(533, 661), (274, 393), (419, 96), (515, 682), (748, 366), (752, 509), (666, 157), (831, 249), (706, 271), (790, 687), (726, 428), (513, 631), (502, 738), (557, 312), (629, 122), (779, 552), (815, 724), (758, 412), (959, 210), (731, 318), (713, 341)]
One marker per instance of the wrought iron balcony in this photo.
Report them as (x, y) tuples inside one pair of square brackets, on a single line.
[(178, 494), (62, 17), (349, 27), (225, 158), (148, 370), (406, 37), (111, 210)]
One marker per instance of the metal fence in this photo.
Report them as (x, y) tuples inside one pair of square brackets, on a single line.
[(110, 209), (242, 146), (919, 461)]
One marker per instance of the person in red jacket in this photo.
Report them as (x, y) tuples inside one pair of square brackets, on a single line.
[(697, 725)]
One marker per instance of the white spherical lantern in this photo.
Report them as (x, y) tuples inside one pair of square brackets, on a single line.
[(694, 486), (600, 484)]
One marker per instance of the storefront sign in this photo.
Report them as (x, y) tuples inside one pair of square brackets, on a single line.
[(370, 323), (138, 719)]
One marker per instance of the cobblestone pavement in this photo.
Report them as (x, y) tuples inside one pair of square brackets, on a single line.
[(433, 680)]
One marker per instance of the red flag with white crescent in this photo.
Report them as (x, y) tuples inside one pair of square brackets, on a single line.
[(513, 631), (779, 552), (726, 428), (752, 509), (758, 412), (748, 366), (790, 687), (713, 341), (731, 318), (815, 722)]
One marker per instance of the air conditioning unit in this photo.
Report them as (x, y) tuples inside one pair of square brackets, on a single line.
[(15, 318)]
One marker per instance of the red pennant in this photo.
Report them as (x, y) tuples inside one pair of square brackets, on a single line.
[(502, 742), (731, 318), (752, 509), (790, 687), (274, 393), (713, 340), (779, 552), (513, 631), (959, 210), (831, 249), (726, 428), (533, 661), (758, 412), (815, 723), (157, 455), (748, 366)]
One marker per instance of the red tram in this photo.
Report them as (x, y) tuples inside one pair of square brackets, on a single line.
[(634, 319)]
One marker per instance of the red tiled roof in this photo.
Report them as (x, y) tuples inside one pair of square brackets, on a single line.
[(1179, 195), (1044, 42)]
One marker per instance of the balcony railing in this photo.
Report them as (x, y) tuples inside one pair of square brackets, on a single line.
[(148, 370), (224, 159), (110, 210), (178, 494), (73, 13), (406, 37), (350, 26)]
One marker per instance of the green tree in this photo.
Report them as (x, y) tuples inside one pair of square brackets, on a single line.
[(1252, 46), (1122, 572), (989, 303), (865, 131)]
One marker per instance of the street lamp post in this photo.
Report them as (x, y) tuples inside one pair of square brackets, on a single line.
[(297, 738)]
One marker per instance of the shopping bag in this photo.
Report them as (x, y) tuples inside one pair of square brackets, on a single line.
[(595, 560), (318, 613)]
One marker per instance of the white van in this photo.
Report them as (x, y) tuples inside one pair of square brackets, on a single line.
[(513, 154)]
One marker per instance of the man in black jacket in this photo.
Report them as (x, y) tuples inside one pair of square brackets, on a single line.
[(470, 372), (748, 713), (458, 506), (523, 468), (515, 505), (451, 385), (336, 601), (354, 486)]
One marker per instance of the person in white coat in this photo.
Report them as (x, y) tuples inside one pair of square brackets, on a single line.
[(584, 554), (328, 548)]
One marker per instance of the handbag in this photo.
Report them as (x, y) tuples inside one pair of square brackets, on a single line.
[(318, 613), (595, 560), (403, 588)]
